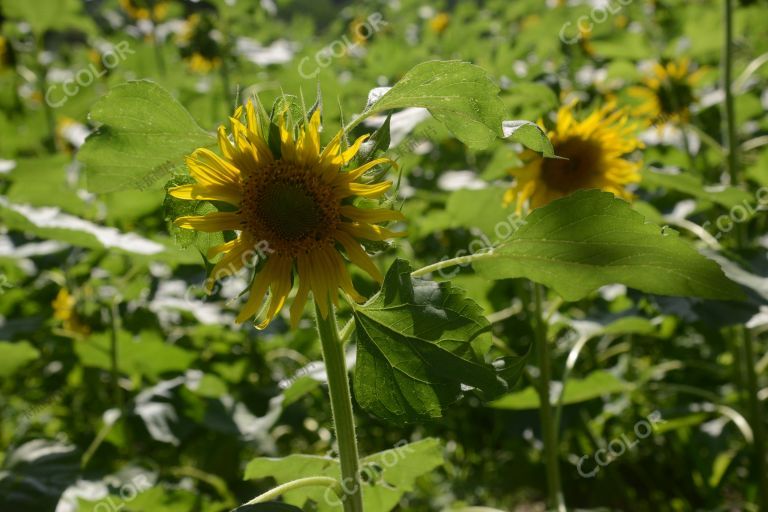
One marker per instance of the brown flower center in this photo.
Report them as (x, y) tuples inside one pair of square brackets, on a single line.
[(289, 207), (578, 171)]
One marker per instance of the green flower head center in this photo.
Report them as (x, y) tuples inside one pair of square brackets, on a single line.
[(291, 210)]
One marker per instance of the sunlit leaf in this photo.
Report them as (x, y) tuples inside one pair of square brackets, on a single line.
[(577, 244), (458, 94), (143, 134)]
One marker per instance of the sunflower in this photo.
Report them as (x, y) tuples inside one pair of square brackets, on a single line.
[(439, 22), (667, 95), (294, 206), (199, 48), (64, 310), (3, 51), (592, 155)]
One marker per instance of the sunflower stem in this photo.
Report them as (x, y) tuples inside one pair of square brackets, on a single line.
[(341, 409), (555, 500)]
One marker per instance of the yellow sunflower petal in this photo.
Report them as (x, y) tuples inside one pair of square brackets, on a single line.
[(228, 193), (232, 261), (280, 288), (360, 190), (258, 291), (357, 255), (209, 169), (297, 308), (219, 221)]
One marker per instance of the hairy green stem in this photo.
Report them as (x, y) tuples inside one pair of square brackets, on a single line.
[(341, 409), (555, 500), (312, 481), (462, 260)]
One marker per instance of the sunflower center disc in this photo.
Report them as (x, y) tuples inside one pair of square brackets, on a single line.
[(289, 207), (577, 171)]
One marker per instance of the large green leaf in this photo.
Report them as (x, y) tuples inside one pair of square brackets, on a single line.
[(589, 239), (144, 134), (388, 475), (415, 348), (594, 385), (458, 94)]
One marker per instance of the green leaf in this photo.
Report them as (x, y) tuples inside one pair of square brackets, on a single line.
[(415, 348), (144, 134), (529, 135), (589, 239), (458, 94), (387, 475), (689, 184), (594, 385), (147, 354), (14, 356), (44, 15)]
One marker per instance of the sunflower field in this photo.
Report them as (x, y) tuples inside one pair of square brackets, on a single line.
[(383, 255)]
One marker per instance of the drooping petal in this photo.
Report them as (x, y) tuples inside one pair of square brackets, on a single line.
[(232, 261), (258, 290), (357, 255), (279, 290)]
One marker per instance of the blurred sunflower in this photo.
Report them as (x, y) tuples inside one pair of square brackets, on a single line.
[(64, 310), (3, 51), (199, 48), (439, 22), (592, 155), (668, 93), (154, 10), (6, 54), (359, 31), (296, 202)]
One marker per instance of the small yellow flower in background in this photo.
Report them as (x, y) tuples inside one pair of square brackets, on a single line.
[(155, 10), (4, 53), (295, 208), (64, 311), (668, 93), (359, 31), (198, 48), (592, 155), (439, 22), (198, 63)]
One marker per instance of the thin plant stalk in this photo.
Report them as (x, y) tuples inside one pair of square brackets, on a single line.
[(341, 409), (746, 341), (555, 499)]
